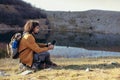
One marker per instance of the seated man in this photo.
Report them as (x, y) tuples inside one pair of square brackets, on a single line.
[(34, 55)]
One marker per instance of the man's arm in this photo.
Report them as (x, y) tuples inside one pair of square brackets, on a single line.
[(42, 45)]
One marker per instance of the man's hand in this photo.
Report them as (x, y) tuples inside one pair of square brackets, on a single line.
[(50, 47)]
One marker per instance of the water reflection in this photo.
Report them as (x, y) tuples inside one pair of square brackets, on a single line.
[(87, 40), (74, 39)]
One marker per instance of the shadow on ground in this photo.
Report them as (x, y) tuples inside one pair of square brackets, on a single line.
[(92, 66)]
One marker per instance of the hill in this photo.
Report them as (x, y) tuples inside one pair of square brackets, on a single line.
[(16, 12), (97, 21), (92, 28)]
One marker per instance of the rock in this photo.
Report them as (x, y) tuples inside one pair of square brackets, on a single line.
[(27, 72), (87, 70), (113, 63), (2, 73)]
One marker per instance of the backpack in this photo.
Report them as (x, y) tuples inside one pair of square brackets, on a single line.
[(13, 46)]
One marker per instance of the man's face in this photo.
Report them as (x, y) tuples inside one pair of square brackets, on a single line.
[(36, 29)]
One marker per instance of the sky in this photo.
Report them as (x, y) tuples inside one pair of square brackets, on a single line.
[(76, 5)]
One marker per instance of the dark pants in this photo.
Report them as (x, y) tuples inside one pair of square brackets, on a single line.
[(40, 59)]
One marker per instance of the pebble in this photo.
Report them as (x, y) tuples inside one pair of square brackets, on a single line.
[(2, 73), (87, 70), (113, 63)]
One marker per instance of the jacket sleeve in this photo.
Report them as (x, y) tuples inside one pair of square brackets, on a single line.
[(42, 45), (30, 42)]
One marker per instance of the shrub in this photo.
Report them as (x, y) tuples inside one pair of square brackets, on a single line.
[(3, 53)]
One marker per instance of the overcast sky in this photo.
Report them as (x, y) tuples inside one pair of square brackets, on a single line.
[(76, 5)]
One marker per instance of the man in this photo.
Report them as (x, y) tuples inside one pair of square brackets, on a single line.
[(34, 55)]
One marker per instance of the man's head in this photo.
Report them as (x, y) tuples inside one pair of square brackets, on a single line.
[(32, 26)]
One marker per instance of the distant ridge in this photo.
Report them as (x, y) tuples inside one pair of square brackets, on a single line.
[(16, 12)]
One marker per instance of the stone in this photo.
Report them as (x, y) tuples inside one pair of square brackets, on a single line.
[(27, 72), (87, 70), (2, 73), (113, 63)]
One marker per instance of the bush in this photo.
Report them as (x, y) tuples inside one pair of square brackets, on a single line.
[(3, 53)]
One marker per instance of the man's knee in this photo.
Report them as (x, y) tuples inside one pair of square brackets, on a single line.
[(47, 54)]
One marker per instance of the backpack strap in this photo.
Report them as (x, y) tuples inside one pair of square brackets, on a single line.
[(21, 38), (22, 50)]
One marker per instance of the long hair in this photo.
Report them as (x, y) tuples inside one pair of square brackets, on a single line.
[(30, 25)]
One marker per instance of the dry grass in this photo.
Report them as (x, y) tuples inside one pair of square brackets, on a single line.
[(69, 69)]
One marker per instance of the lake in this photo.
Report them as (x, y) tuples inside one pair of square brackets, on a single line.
[(92, 41), (74, 52)]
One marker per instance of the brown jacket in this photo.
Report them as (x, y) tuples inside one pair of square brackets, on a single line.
[(28, 41)]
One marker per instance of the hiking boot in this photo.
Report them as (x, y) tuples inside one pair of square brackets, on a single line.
[(47, 66), (41, 66), (50, 65), (54, 64)]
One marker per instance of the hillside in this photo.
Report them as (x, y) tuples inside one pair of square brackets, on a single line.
[(97, 21), (92, 28), (16, 12)]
